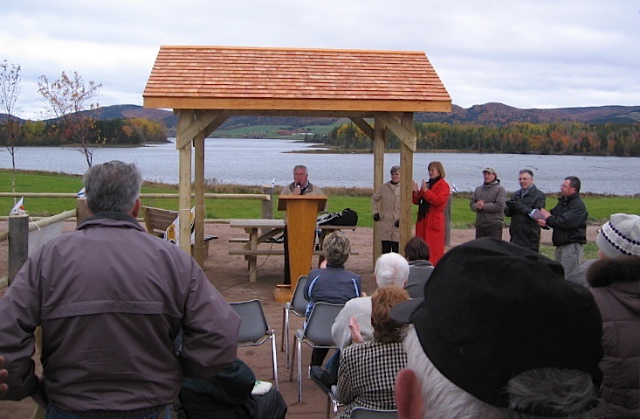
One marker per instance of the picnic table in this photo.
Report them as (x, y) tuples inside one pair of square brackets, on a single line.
[(259, 231), (263, 231)]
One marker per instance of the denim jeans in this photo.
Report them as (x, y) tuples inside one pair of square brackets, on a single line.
[(54, 412)]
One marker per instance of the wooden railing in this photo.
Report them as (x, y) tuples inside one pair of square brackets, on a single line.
[(19, 226)]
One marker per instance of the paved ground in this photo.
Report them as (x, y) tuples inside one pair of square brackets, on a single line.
[(229, 274)]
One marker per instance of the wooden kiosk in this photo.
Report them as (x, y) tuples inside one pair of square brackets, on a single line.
[(379, 91), (302, 212)]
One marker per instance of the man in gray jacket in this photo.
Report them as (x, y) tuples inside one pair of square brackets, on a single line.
[(110, 300), (488, 202), (524, 229)]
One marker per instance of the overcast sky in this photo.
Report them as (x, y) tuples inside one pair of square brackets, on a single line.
[(523, 53)]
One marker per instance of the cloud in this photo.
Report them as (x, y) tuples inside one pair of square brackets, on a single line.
[(543, 53)]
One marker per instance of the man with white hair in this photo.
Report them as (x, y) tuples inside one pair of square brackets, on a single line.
[(499, 334), (391, 270)]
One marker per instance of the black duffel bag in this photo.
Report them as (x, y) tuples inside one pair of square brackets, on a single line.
[(346, 217)]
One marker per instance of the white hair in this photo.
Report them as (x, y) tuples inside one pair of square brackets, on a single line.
[(531, 389), (391, 270)]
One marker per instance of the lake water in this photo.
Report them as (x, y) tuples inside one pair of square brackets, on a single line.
[(257, 162)]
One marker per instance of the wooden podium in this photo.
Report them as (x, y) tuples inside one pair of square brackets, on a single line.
[(302, 214)]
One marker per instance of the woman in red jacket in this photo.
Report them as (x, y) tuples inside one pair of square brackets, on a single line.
[(432, 200)]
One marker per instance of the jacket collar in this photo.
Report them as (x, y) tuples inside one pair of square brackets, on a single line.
[(114, 219)]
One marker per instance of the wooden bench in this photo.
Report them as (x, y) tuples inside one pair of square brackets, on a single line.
[(274, 252), (157, 220)]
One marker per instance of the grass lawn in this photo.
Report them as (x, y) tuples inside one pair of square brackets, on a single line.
[(600, 207)]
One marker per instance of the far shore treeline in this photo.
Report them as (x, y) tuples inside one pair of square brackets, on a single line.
[(103, 132), (621, 139)]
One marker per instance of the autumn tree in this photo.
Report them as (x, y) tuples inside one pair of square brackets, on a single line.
[(70, 101), (9, 91)]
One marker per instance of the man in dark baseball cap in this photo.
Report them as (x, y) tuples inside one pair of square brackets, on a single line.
[(499, 333)]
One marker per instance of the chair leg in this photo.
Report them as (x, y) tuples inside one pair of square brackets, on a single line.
[(293, 357), (284, 322), (274, 356), (329, 406), (285, 337), (299, 350)]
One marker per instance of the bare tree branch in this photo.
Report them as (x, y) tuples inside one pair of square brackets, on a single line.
[(68, 99)]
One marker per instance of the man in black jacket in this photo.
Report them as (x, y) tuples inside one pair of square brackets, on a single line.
[(524, 229), (569, 222)]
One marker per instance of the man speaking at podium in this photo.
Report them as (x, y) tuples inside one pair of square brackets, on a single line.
[(299, 186)]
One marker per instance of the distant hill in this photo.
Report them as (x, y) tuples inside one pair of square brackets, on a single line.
[(487, 114), (500, 114)]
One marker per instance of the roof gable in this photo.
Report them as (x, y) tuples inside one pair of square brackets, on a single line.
[(237, 78)]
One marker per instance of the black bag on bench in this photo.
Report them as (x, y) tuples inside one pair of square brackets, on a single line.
[(346, 217)]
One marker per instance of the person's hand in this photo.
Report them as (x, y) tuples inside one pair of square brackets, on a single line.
[(3, 376), (297, 190), (480, 204), (545, 213), (376, 217), (542, 222), (511, 204), (425, 185), (356, 336), (415, 187)]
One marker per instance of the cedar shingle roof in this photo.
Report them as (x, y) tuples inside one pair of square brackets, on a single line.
[(237, 78)]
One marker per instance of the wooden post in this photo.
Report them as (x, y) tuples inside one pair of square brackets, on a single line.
[(18, 243), (406, 177), (199, 246), (183, 144), (378, 178), (267, 206), (82, 212)]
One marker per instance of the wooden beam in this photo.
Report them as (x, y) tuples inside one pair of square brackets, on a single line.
[(406, 134), (184, 198), (185, 118), (304, 114), (199, 246), (439, 103), (198, 121), (379, 140), (364, 126), (406, 182), (213, 125)]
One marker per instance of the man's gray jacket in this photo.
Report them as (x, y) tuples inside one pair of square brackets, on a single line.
[(111, 299)]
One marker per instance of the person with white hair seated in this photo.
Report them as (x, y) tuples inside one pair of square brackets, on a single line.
[(391, 270), (499, 334)]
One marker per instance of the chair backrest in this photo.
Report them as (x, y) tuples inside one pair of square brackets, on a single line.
[(364, 413), (254, 322), (319, 324), (298, 302)]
